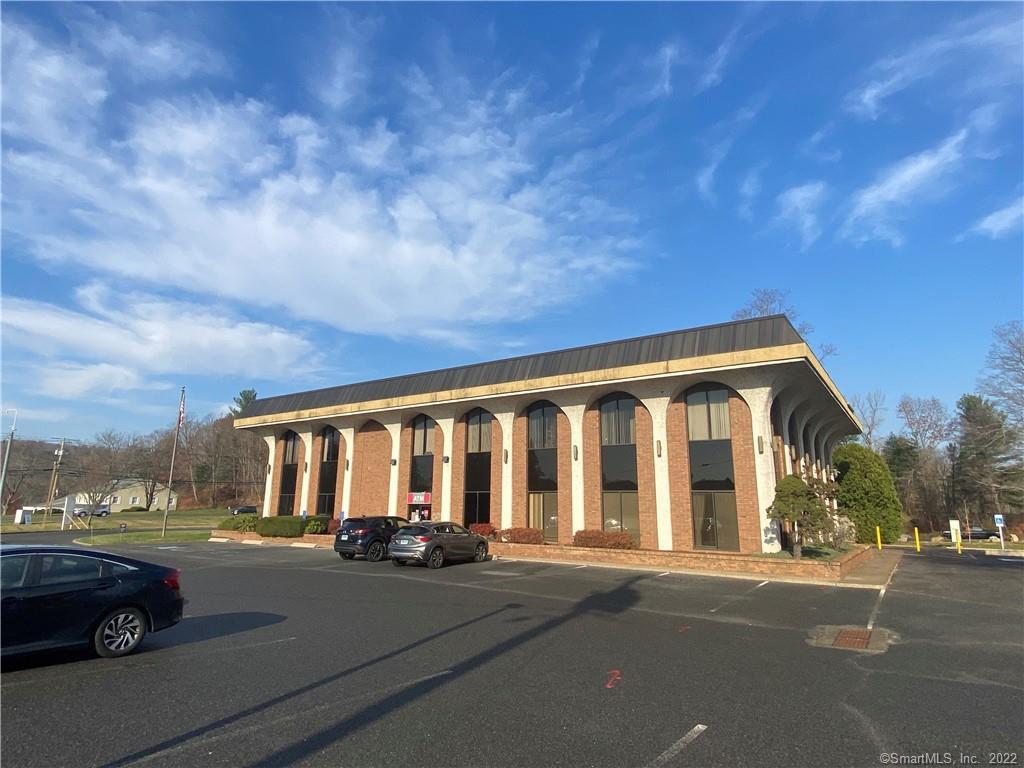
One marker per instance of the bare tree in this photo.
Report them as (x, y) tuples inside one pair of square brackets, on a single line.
[(1003, 378), (775, 301), (926, 419), (871, 411), (102, 468)]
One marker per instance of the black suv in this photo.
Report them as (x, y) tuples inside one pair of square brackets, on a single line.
[(368, 536)]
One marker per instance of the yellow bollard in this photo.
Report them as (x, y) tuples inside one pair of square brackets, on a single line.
[(917, 541), (958, 540), (878, 535)]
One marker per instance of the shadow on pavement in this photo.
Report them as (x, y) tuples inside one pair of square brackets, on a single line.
[(196, 629)]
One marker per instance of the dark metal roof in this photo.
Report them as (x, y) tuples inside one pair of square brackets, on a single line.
[(772, 331)]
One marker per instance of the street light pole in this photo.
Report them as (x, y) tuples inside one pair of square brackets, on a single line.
[(7, 457)]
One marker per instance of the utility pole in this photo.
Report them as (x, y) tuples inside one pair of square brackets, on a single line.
[(174, 450), (7, 459), (58, 456)]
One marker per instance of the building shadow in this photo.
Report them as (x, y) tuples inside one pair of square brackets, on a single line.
[(197, 629)]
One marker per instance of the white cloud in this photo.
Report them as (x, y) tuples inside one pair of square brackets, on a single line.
[(716, 63), (799, 206), (586, 61), (875, 207), (664, 61), (814, 148), (986, 49), (728, 131), (460, 219), (1002, 222), (750, 188), (118, 340), (706, 177)]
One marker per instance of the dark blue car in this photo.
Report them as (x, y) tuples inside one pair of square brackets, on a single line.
[(54, 597)]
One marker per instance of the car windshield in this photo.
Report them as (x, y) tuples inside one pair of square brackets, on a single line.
[(355, 522)]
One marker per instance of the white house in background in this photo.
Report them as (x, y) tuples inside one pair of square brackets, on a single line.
[(126, 494)]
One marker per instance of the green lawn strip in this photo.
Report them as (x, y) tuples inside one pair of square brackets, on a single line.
[(141, 537), (189, 518)]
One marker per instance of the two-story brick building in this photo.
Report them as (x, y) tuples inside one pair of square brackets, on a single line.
[(677, 438)]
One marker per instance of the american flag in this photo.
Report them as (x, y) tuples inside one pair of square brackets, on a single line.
[(181, 410)]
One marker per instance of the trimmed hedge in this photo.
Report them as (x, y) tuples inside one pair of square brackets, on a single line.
[(231, 524), (290, 526), (482, 529), (867, 494), (522, 536), (603, 539), (136, 508), (247, 523)]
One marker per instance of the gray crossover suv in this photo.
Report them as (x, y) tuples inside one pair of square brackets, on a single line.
[(435, 544)]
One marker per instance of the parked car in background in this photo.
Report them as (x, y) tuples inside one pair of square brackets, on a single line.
[(86, 511), (974, 533), (246, 510), (367, 536), (64, 596), (435, 544)]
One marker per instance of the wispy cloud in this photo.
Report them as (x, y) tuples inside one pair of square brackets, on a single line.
[(727, 132), (586, 61), (799, 206), (750, 188), (664, 61), (1001, 223), (716, 63), (814, 146), (985, 51), (874, 207)]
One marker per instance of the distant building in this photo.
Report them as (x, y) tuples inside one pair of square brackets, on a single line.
[(678, 439), (127, 493)]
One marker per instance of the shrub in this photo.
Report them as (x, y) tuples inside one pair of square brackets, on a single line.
[(333, 525), (867, 494), (482, 529), (522, 536), (231, 524), (603, 539), (136, 508), (797, 503), (280, 526), (315, 526), (247, 523)]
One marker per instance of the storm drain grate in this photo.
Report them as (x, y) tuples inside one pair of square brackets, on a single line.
[(852, 638)]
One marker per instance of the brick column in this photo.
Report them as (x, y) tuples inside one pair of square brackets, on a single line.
[(645, 478), (519, 462), (497, 466), (748, 516), (678, 451), (564, 432), (315, 454), (593, 519), (400, 473), (458, 472), (275, 485)]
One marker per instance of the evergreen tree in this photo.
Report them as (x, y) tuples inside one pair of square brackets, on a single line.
[(987, 472), (798, 503), (867, 494), (242, 399)]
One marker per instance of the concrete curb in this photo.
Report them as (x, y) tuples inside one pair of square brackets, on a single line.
[(690, 572), (1002, 552)]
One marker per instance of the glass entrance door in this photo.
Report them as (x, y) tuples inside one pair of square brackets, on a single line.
[(543, 514), (714, 521)]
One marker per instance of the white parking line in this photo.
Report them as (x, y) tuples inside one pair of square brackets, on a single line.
[(760, 585), (666, 573), (678, 747), (578, 567)]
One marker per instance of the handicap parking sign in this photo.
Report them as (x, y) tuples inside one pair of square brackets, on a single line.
[(999, 522)]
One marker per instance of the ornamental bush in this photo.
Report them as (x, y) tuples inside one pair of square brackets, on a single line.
[(289, 526), (247, 523), (482, 529), (522, 536), (315, 526), (603, 539), (231, 524), (867, 494), (333, 525), (135, 508)]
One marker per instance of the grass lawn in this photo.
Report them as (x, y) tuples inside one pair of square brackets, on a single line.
[(142, 537), (136, 521)]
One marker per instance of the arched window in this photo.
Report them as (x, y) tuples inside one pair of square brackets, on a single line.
[(477, 507), (620, 501), (289, 474), (712, 479), (330, 441), (542, 468), (421, 473)]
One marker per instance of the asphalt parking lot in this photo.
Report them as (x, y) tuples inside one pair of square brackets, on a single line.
[(292, 656)]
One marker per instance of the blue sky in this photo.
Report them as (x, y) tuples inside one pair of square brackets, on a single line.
[(293, 196)]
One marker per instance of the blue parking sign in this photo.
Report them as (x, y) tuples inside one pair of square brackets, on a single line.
[(999, 522)]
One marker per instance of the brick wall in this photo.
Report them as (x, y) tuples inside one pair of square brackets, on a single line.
[(747, 514), (457, 512), (371, 471), (564, 433), (645, 478), (593, 518), (275, 483), (518, 458), (679, 475), (404, 470), (436, 512)]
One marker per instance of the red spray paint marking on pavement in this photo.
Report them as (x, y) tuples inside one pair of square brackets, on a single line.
[(683, 628), (613, 677)]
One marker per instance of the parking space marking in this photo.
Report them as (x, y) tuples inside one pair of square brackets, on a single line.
[(874, 611), (734, 598), (666, 573), (578, 567), (665, 757), (760, 585)]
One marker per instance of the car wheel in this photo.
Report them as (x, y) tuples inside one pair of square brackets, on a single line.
[(376, 552), (398, 563), (119, 633), (346, 555), (481, 553), (436, 559)]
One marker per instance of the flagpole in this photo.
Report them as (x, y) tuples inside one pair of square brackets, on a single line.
[(174, 450)]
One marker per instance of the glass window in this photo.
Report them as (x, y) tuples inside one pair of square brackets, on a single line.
[(478, 471), (422, 436), (711, 466), (421, 477), (718, 407), (543, 426), (542, 470), (477, 507), (331, 443), (618, 468), (456, 528), (68, 569), (135, 500), (117, 499), (13, 570), (543, 514), (707, 414), (618, 420), (478, 436), (291, 448), (697, 415)]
